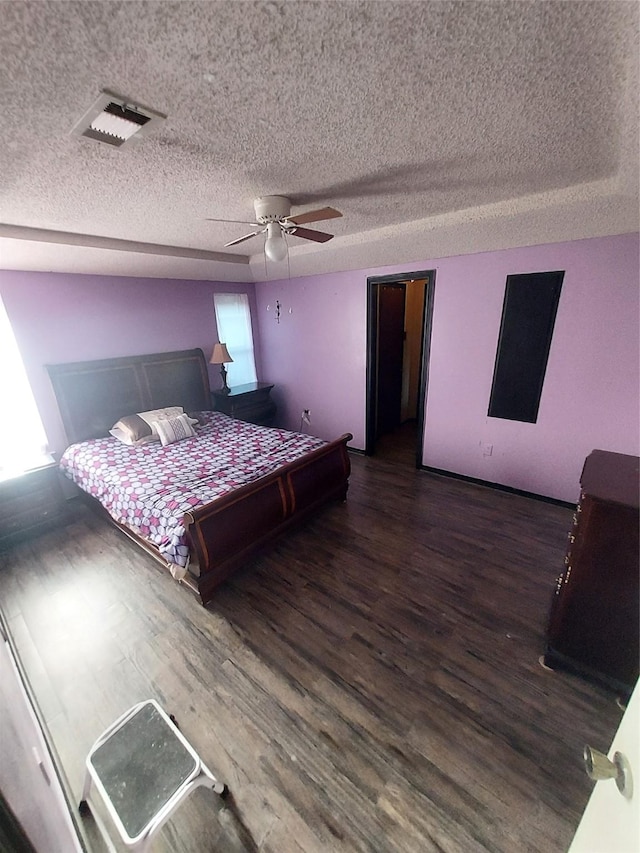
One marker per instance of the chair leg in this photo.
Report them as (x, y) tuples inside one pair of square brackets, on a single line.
[(83, 806), (217, 786)]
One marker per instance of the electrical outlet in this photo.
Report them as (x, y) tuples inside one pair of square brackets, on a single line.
[(306, 416), (487, 449)]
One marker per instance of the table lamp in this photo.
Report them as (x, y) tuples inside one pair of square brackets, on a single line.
[(220, 355)]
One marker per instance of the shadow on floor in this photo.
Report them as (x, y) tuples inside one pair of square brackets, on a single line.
[(400, 446)]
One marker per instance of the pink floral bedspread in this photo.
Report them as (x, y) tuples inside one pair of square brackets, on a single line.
[(150, 487)]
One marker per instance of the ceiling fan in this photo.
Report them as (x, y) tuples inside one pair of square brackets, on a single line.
[(273, 218)]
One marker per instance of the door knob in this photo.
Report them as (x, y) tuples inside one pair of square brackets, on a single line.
[(599, 767)]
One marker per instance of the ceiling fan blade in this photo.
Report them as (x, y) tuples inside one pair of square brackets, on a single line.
[(239, 221), (314, 216), (308, 234), (242, 239)]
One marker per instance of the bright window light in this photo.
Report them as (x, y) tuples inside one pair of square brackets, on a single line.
[(233, 318), (22, 438)]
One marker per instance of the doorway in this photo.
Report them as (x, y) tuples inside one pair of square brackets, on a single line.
[(399, 313)]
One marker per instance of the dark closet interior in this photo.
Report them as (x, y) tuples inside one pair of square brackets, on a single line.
[(399, 315)]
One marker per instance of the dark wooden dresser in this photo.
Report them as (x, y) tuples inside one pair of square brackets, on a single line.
[(593, 624), (250, 402), (30, 503)]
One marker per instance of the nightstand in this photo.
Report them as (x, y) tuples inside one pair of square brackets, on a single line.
[(250, 402), (30, 502)]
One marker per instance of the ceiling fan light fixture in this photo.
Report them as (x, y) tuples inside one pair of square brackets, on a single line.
[(273, 218), (275, 247)]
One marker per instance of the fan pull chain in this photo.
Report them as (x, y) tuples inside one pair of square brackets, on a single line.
[(284, 234)]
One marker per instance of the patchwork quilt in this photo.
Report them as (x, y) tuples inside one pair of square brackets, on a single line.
[(148, 488)]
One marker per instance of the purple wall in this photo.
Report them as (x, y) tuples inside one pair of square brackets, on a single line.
[(317, 357), (60, 318), (316, 354)]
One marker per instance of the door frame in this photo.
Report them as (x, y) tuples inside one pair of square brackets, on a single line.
[(373, 282)]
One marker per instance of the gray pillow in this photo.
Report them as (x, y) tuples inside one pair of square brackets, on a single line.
[(135, 428)]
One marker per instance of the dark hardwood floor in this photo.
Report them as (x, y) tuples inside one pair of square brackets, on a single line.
[(370, 684)]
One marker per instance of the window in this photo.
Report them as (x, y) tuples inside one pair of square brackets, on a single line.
[(22, 437), (233, 319)]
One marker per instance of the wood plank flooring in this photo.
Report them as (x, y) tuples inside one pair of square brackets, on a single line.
[(370, 684)]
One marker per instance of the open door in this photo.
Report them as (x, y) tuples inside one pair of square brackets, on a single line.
[(399, 312), (391, 335), (36, 811), (611, 819)]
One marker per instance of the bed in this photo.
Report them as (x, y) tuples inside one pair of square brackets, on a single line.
[(227, 491)]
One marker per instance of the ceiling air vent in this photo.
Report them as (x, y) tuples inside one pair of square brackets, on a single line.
[(115, 120)]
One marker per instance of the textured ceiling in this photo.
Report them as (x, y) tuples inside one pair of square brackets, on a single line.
[(406, 116)]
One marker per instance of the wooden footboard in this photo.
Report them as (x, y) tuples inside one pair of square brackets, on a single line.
[(223, 534)]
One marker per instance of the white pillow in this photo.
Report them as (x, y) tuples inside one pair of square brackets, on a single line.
[(126, 438), (175, 429), (160, 415)]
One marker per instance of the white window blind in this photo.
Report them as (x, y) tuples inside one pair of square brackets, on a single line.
[(22, 438), (233, 319)]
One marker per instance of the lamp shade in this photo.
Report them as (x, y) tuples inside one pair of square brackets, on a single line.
[(220, 355)]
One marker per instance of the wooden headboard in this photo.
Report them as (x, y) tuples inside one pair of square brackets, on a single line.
[(93, 395)]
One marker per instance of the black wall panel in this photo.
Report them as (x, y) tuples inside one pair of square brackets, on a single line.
[(528, 316)]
